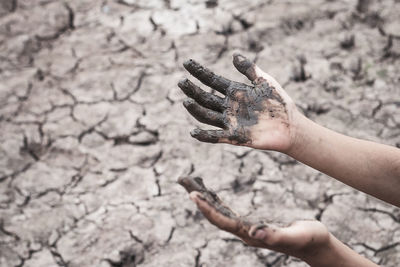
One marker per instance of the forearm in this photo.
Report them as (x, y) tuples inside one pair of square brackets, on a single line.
[(337, 254), (370, 167)]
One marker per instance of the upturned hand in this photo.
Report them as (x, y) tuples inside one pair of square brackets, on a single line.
[(303, 239)]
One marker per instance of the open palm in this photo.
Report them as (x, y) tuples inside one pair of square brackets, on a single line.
[(300, 239), (257, 115)]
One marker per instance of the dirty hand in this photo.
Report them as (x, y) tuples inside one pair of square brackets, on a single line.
[(258, 115), (302, 239)]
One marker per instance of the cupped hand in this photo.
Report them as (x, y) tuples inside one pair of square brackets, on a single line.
[(258, 115), (302, 239)]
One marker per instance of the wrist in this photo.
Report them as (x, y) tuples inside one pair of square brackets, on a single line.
[(300, 129), (335, 253), (323, 255)]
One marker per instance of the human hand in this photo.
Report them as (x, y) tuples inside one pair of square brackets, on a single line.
[(259, 115), (302, 239)]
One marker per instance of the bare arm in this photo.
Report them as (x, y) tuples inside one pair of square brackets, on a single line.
[(263, 116), (307, 240), (367, 166)]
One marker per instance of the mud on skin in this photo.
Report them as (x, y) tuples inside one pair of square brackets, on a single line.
[(241, 226), (196, 184), (240, 108)]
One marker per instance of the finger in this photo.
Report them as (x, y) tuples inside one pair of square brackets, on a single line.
[(268, 234), (196, 184), (292, 238), (207, 77), (204, 115), (192, 184), (219, 215), (245, 66), (216, 211), (205, 99), (253, 72), (210, 136)]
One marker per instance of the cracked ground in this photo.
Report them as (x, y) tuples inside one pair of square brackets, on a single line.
[(94, 135)]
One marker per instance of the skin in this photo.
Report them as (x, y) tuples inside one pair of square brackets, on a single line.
[(263, 116), (245, 111), (307, 240)]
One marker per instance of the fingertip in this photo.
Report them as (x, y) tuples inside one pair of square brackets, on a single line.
[(196, 197), (238, 56), (183, 82), (245, 66), (188, 63), (195, 132), (209, 136), (181, 180), (187, 102), (241, 63), (201, 203)]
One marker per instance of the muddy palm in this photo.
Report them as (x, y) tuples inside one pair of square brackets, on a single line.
[(257, 115)]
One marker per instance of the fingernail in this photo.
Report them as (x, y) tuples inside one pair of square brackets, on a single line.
[(238, 56), (260, 234)]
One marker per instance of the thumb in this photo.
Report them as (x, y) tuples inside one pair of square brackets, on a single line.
[(252, 71), (298, 235), (267, 234)]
